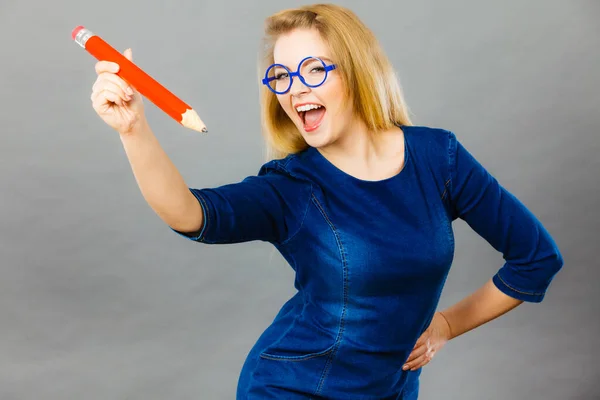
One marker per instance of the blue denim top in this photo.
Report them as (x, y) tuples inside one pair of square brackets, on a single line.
[(370, 258)]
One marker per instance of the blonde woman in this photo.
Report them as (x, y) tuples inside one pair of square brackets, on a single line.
[(359, 201)]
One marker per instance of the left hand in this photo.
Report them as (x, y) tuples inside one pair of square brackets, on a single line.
[(433, 339)]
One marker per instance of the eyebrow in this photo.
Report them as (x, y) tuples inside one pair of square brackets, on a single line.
[(321, 57)]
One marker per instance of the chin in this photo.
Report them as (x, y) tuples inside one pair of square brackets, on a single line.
[(317, 138), (317, 141)]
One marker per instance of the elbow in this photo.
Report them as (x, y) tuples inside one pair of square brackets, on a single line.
[(551, 265), (529, 282), (551, 259), (192, 222), (187, 218), (558, 261)]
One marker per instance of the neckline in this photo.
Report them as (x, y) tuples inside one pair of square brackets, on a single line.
[(334, 169)]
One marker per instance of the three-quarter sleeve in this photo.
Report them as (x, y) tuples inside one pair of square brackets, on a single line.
[(267, 207), (531, 256)]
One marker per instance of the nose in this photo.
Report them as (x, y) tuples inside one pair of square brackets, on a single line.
[(298, 87)]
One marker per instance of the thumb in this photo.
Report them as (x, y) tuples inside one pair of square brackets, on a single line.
[(128, 54)]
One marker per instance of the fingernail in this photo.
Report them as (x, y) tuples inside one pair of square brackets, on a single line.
[(405, 367), (129, 90)]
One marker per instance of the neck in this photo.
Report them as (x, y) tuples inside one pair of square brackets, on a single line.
[(360, 149)]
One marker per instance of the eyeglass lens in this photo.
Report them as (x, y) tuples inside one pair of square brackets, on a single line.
[(312, 70)]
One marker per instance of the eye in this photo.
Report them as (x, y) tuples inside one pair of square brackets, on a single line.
[(318, 69), (281, 75)]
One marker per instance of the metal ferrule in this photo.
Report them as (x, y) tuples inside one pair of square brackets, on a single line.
[(82, 37)]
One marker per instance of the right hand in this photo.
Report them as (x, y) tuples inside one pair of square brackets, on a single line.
[(120, 109)]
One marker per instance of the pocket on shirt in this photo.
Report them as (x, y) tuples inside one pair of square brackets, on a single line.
[(271, 354), (303, 340)]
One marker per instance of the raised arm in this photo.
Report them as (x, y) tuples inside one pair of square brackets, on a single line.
[(120, 106), (267, 207), (160, 182)]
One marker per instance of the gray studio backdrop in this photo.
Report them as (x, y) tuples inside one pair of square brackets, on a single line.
[(100, 300)]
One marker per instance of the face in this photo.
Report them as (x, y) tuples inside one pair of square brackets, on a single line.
[(324, 126)]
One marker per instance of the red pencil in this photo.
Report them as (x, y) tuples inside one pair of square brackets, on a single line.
[(144, 83)]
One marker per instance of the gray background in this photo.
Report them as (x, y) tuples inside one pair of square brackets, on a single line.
[(100, 300)]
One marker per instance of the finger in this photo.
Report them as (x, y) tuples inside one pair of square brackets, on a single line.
[(101, 104), (113, 88), (422, 339), (128, 53), (111, 80), (420, 361), (106, 96), (106, 66), (418, 352)]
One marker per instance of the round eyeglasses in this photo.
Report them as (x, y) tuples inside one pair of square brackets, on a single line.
[(312, 72)]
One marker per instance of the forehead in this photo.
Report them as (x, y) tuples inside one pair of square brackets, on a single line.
[(292, 47)]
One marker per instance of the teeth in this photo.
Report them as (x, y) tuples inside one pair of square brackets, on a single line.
[(308, 107)]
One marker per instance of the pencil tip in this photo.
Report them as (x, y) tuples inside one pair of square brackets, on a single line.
[(204, 130)]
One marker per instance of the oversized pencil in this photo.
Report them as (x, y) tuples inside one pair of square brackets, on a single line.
[(144, 83)]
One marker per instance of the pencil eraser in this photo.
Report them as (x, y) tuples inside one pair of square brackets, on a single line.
[(76, 31)]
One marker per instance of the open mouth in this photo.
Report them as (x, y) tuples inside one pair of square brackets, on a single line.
[(311, 116)]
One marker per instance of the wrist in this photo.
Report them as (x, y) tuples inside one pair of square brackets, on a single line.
[(139, 129), (450, 336)]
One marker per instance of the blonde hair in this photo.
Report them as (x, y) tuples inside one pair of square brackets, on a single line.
[(366, 72)]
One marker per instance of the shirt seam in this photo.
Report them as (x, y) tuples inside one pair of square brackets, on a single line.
[(451, 171), (201, 237), (345, 295), (289, 239), (283, 166), (517, 290)]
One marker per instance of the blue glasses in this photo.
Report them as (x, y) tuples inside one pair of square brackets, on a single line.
[(312, 72)]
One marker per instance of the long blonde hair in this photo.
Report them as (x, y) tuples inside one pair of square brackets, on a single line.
[(366, 72)]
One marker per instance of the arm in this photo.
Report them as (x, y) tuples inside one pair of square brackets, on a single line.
[(484, 305), (266, 207), (121, 107), (531, 256), (160, 182)]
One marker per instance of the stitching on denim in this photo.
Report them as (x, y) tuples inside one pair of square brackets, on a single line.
[(288, 160), (282, 165), (268, 356), (327, 367), (303, 218), (206, 214), (451, 164), (517, 290), (283, 335), (445, 188)]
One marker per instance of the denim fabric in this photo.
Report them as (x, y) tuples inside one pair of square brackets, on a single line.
[(371, 259)]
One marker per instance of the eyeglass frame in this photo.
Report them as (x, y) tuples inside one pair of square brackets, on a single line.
[(291, 74)]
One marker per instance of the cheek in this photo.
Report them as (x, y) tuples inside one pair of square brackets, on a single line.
[(286, 107), (333, 96)]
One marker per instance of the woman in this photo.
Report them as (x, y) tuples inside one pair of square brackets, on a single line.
[(359, 201)]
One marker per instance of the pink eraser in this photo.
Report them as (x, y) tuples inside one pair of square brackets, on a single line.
[(76, 31)]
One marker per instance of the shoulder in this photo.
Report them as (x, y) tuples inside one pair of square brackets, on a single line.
[(431, 145), (433, 137), (293, 168), (278, 166), (281, 177)]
